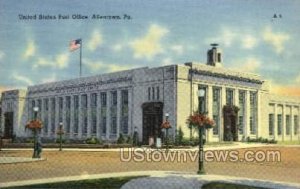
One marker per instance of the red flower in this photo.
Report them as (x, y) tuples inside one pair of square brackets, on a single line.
[(200, 120), (34, 124), (165, 125)]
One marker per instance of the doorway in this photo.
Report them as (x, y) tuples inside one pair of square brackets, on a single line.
[(8, 125), (230, 123), (152, 120)]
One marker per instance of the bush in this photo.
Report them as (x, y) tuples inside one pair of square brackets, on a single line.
[(121, 139), (261, 140), (93, 140), (62, 140), (129, 140), (179, 137)]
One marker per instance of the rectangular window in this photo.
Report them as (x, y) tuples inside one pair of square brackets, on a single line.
[(149, 93), (216, 109), (93, 100), (113, 112), (202, 99), (271, 124), (287, 124), (68, 114), (253, 111), (31, 109), (153, 93), (229, 96), (241, 113), (84, 105), (45, 115), (296, 125), (103, 99), (76, 114), (46, 104), (157, 93), (103, 122), (60, 109), (114, 125), (94, 112), (114, 98), (53, 111), (84, 101), (124, 112), (279, 124)]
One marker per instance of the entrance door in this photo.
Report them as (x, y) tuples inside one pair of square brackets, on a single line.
[(152, 119), (230, 123), (8, 124)]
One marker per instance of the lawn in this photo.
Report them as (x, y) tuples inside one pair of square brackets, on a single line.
[(218, 185)]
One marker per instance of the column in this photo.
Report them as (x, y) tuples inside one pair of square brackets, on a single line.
[(71, 134), (247, 115), (89, 115), (236, 103), (283, 122), (108, 116), (223, 103), (275, 122), (209, 110), (119, 103)]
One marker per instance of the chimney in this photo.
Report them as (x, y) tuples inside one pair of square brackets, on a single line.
[(214, 56)]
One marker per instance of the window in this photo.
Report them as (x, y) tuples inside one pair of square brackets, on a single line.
[(103, 99), (153, 93), (84, 106), (229, 96), (287, 124), (149, 93), (114, 98), (253, 111), (53, 115), (114, 125), (124, 97), (60, 109), (76, 113), (202, 100), (94, 100), (296, 125), (46, 104), (279, 124), (157, 93), (84, 101), (68, 114), (216, 110), (103, 123), (124, 112), (241, 113), (271, 124)]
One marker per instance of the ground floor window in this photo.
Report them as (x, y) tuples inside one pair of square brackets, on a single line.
[(287, 124), (271, 124), (279, 124), (296, 125)]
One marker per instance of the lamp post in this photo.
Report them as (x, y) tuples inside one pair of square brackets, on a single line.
[(35, 135), (167, 134), (60, 132), (201, 96)]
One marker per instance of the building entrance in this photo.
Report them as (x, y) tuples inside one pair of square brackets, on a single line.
[(230, 123), (8, 125), (152, 120)]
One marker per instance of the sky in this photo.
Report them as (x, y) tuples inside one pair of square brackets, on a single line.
[(148, 33)]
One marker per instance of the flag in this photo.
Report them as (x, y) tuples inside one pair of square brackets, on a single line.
[(75, 44)]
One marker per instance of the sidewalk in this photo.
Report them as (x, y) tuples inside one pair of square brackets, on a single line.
[(161, 179)]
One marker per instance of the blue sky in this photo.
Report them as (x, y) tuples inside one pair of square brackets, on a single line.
[(160, 32)]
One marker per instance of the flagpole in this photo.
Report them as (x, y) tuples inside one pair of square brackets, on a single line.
[(80, 55)]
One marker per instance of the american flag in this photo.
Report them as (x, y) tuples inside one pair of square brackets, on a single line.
[(75, 44)]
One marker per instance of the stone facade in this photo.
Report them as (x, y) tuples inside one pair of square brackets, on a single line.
[(104, 106)]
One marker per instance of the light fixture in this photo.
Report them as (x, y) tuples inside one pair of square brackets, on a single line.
[(167, 114), (201, 92), (36, 109), (60, 123)]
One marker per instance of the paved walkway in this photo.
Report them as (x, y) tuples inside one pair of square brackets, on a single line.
[(162, 179), (5, 160)]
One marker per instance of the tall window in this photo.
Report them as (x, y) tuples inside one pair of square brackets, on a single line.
[(229, 96), (84, 113), (53, 115), (39, 105), (124, 112), (94, 112), (46, 114), (68, 114), (279, 124), (216, 110), (60, 109), (287, 124), (271, 124), (149, 93), (253, 111), (296, 125), (31, 109), (76, 113), (113, 112), (157, 93), (202, 100), (241, 113), (103, 112)]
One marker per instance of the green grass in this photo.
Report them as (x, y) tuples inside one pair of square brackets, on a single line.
[(107, 183), (219, 185), (220, 143), (289, 142)]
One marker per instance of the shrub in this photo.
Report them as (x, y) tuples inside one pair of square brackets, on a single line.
[(58, 140), (121, 139), (93, 140), (129, 140), (179, 137)]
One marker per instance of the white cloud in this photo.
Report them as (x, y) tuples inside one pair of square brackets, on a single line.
[(277, 40), (100, 66), (298, 79), (2, 55), (22, 79), (117, 47), (30, 49), (177, 49), (52, 78), (249, 64), (167, 61), (149, 45), (61, 61), (225, 37), (248, 41), (95, 41)]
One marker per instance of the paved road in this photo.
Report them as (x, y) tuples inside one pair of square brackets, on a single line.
[(85, 163)]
